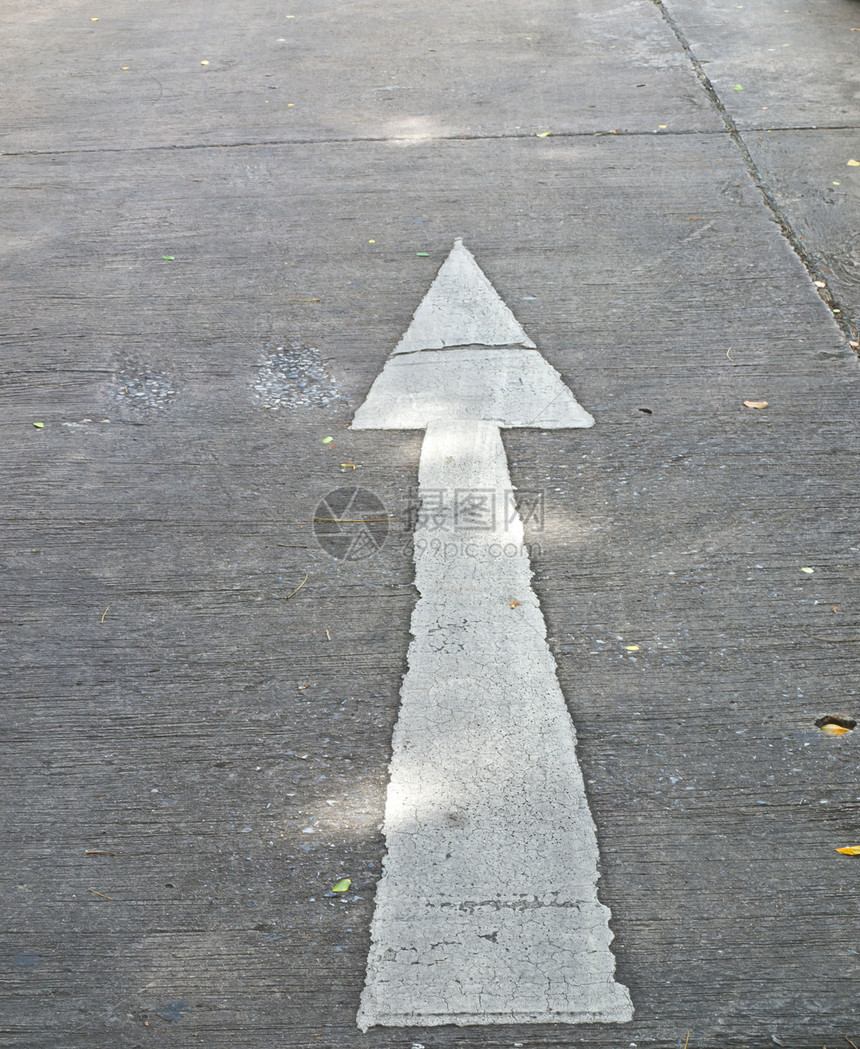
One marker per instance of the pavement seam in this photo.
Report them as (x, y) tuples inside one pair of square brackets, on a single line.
[(815, 274), (504, 136), (619, 132)]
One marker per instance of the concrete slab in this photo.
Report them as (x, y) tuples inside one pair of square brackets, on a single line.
[(777, 63), (174, 707), (809, 175), (200, 700), (137, 77), (777, 68)]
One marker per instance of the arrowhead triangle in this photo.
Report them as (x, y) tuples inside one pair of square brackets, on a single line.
[(461, 308), (465, 356)]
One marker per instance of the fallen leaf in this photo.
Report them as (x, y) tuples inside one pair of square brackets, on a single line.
[(809, 571), (347, 466), (327, 440), (168, 258), (850, 850), (756, 404), (542, 134), (631, 648), (204, 63), (423, 254), (819, 284), (514, 604), (342, 885), (39, 426), (834, 730), (854, 163), (737, 87), (99, 852)]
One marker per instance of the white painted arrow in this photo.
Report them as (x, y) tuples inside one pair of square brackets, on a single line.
[(487, 910)]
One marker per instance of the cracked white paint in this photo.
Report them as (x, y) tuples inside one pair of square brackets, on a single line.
[(487, 910), (507, 385), (461, 307)]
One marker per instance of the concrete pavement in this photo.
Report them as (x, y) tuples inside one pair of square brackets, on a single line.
[(218, 220)]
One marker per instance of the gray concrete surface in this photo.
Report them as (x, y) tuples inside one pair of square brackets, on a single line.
[(195, 752)]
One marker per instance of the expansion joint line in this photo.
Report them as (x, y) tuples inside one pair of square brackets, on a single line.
[(816, 275)]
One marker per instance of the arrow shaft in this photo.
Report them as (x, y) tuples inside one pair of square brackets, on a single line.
[(487, 909)]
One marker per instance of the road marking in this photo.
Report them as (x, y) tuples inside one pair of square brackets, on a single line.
[(461, 308), (487, 910)]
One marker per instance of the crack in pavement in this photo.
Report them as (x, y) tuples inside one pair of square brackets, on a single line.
[(484, 137), (815, 274)]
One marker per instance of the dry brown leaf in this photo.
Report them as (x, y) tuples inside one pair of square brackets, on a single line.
[(514, 604)]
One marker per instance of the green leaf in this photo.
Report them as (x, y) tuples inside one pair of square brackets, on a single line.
[(39, 426), (169, 258), (327, 440), (422, 254), (342, 885), (738, 87)]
